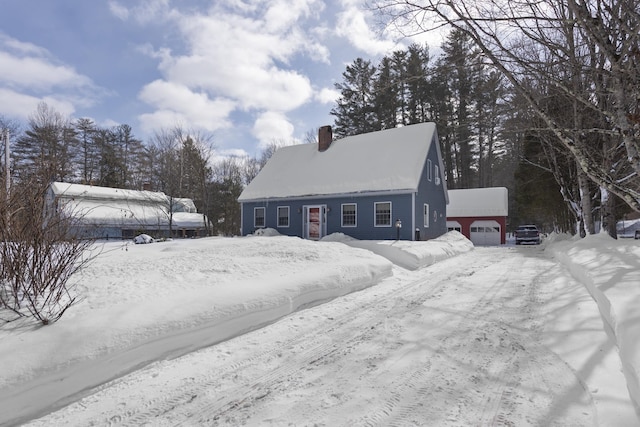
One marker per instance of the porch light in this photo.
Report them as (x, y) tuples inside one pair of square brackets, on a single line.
[(398, 227)]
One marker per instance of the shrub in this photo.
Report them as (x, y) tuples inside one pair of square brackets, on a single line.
[(39, 252)]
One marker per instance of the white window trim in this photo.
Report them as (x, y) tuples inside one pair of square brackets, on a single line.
[(264, 216), (288, 216), (342, 215), (425, 215), (429, 167), (375, 211), (437, 175)]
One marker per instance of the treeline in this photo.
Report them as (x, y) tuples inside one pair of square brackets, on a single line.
[(176, 161), (468, 102), (491, 136)]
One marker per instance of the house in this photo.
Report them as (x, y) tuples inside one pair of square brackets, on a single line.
[(480, 214), (380, 185), (109, 213)]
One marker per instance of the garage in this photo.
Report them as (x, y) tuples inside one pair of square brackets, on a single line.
[(480, 214), (485, 233)]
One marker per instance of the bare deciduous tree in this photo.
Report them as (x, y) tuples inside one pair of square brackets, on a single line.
[(589, 51), (40, 251)]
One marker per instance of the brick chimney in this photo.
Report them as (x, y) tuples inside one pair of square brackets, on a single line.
[(325, 136)]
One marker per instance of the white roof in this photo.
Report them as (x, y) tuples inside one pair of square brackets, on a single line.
[(103, 206), (388, 160), (68, 190), (470, 202)]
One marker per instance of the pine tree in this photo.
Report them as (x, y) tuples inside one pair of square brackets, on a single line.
[(88, 150), (386, 104), (354, 111)]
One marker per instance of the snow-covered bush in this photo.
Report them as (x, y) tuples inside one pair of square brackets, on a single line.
[(268, 232), (142, 239)]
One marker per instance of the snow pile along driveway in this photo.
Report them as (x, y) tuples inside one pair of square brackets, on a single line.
[(144, 303), (408, 254), (610, 270)]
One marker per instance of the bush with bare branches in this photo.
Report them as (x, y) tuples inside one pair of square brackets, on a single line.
[(39, 252)]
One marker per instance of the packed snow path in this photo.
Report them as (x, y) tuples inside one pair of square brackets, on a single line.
[(462, 342)]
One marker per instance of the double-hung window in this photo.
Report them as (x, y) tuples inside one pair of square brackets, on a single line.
[(258, 217), (283, 216), (383, 214), (349, 213)]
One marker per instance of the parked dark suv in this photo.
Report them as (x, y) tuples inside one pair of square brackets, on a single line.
[(528, 233)]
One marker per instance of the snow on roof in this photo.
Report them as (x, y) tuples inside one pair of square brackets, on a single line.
[(103, 206), (387, 160), (120, 212), (492, 201), (67, 190), (188, 220)]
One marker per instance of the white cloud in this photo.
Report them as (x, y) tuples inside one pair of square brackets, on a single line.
[(38, 73), (29, 75), (239, 58), (20, 105), (29, 66), (145, 12), (283, 14), (240, 51), (20, 47), (177, 104), (118, 10), (353, 24), (272, 127), (327, 96)]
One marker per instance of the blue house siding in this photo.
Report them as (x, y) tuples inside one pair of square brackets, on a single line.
[(430, 192), (401, 208)]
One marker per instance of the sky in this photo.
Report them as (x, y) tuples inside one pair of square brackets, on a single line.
[(247, 72)]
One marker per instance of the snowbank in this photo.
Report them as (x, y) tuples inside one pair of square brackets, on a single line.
[(408, 254), (610, 270)]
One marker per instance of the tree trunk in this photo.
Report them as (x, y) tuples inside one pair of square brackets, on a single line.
[(607, 213), (585, 204)]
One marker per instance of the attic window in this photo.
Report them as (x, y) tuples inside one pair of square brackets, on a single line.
[(429, 169), (437, 174)]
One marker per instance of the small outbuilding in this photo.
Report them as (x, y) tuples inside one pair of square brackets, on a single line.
[(480, 214), (380, 185), (115, 213)]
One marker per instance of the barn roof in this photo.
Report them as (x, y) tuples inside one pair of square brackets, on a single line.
[(103, 206), (69, 190), (474, 202), (388, 160)]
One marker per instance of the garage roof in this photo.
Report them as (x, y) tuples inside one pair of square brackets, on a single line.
[(474, 202)]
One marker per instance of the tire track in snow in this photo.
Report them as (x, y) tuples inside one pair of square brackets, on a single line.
[(204, 409), (502, 373)]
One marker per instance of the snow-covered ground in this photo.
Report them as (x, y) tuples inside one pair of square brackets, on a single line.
[(146, 305)]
